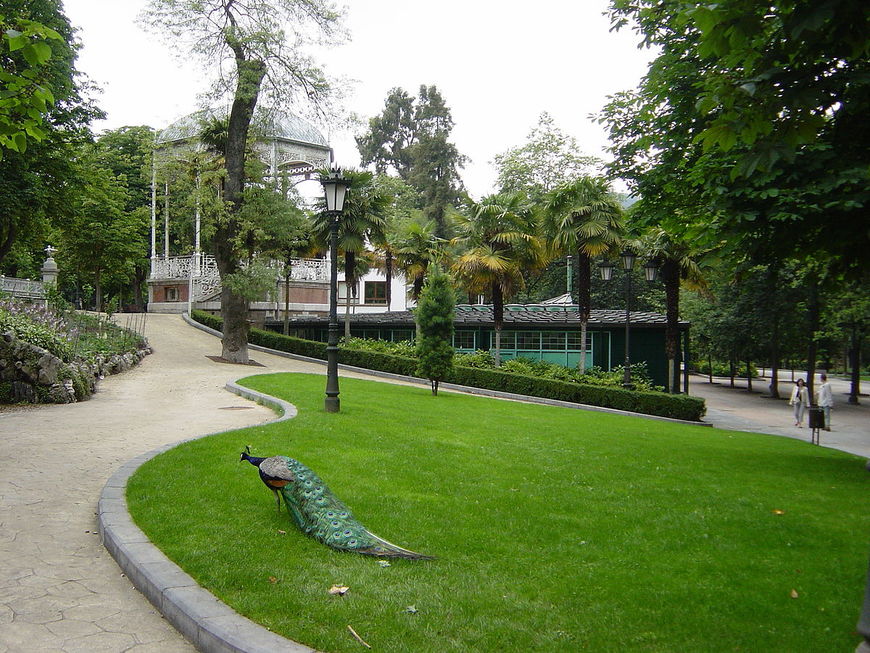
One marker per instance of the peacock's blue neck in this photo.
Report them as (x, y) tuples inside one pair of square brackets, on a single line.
[(254, 460)]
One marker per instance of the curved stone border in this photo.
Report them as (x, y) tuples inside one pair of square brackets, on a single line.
[(206, 622), (467, 389)]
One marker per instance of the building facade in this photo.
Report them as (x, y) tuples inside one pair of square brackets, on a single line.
[(549, 332)]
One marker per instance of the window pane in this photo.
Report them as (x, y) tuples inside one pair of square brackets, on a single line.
[(376, 292), (574, 340), (508, 340), (528, 340), (553, 340), (398, 335), (464, 340)]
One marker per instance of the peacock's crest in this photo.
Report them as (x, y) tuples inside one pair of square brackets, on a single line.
[(317, 511)]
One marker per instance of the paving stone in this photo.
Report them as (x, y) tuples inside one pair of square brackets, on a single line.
[(101, 642), (40, 610), (72, 628), (24, 636)]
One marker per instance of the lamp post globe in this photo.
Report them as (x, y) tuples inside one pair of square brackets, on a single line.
[(334, 189)]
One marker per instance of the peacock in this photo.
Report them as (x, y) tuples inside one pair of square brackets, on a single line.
[(317, 511)]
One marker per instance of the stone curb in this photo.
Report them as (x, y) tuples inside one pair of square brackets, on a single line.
[(206, 622), (498, 394)]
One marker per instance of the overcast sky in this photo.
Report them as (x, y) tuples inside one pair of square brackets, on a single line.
[(497, 63)]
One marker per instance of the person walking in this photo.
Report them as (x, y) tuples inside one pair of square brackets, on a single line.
[(800, 399), (825, 399)]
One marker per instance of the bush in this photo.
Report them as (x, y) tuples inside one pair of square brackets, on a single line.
[(480, 359), (34, 325), (650, 403), (76, 339), (401, 348), (724, 369)]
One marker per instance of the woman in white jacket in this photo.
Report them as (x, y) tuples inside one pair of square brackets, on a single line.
[(800, 399)]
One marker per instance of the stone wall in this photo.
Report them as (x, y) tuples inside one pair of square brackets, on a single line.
[(29, 373)]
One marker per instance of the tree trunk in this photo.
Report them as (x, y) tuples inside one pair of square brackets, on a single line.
[(775, 323), (749, 375), (98, 291), (234, 308), (434, 384), (498, 319), (584, 301), (855, 362), (287, 275), (388, 273), (235, 341), (813, 326), (671, 278), (349, 286)]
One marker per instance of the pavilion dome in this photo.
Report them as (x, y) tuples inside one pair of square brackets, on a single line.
[(271, 124)]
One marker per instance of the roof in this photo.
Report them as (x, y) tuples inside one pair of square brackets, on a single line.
[(274, 124), (515, 315)]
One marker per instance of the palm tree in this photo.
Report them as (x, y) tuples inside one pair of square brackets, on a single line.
[(584, 217), (500, 248), (360, 224), (417, 247), (677, 260)]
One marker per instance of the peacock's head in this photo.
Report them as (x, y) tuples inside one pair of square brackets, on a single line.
[(246, 454)]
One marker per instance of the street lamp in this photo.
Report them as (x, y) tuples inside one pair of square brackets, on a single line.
[(606, 270), (334, 189)]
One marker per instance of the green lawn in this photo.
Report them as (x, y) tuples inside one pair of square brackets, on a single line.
[(554, 529)]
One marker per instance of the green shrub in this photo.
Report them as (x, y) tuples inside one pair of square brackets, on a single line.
[(724, 369), (480, 359), (650, 403), (401, 348), (36, 333)]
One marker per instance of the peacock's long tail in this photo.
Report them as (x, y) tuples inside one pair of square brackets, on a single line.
[(322, 515)]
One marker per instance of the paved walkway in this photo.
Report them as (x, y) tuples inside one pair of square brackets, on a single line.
[(59, 588), (738, 409)]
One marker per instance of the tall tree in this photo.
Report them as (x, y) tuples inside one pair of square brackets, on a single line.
[(677, 261), (417, 247), (25, 48), (585, 218), (751, 122), (126, 152), (411, 137), (39, 184), (100, 237), (255, 55), (499, 246), (434, 316), (547, 159)]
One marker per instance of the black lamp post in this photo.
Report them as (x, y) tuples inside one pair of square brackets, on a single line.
[(334, 188), (606, 270)]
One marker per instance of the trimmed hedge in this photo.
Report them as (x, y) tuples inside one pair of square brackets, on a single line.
[(648, 403)]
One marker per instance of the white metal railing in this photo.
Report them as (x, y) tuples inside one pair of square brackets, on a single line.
[(22, 287), (202, 272), (179, 267)]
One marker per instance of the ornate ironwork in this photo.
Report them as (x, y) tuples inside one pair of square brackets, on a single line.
[(22, 287)]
